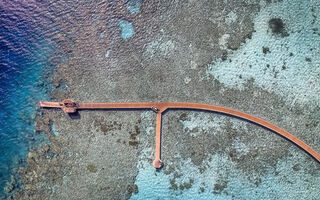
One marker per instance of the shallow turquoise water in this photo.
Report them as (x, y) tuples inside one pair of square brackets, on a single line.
[(127, 29), (134, 6), (290, 67)]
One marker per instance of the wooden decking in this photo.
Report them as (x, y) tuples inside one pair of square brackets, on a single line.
[(69, 106)]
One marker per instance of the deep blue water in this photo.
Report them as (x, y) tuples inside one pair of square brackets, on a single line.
[(24, 67)]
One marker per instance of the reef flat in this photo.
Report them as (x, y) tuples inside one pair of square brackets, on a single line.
[(239, 54)]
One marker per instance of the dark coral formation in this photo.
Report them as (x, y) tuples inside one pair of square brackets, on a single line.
[(277, 27)]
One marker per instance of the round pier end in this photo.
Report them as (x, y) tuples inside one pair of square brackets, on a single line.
[(157, 163)]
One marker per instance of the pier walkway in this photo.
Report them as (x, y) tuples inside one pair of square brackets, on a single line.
[(69, 106)]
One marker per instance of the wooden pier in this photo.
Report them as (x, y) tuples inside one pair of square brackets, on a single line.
[(69, 106)]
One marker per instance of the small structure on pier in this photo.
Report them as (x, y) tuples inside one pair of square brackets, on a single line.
[(69, 106)]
